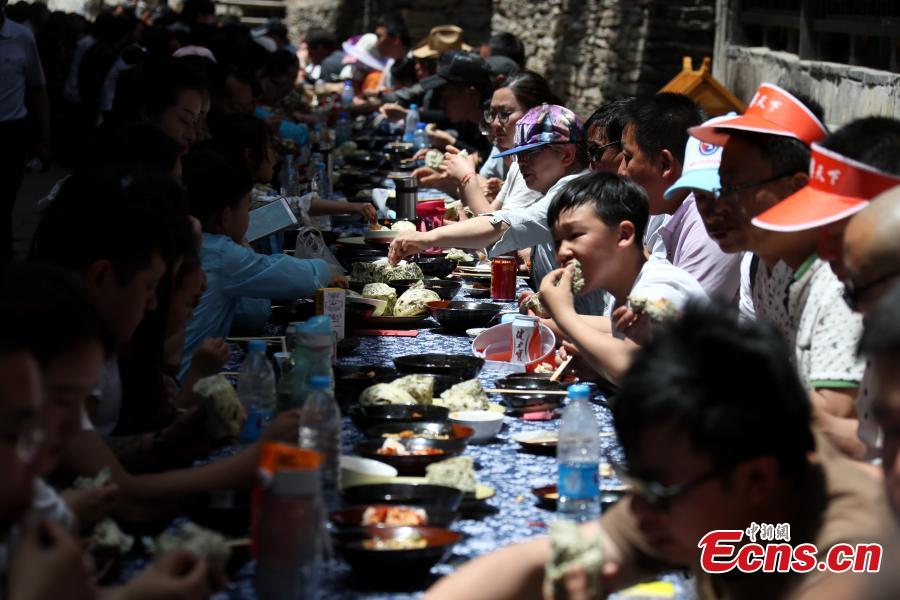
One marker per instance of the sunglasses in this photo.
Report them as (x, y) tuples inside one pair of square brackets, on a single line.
[(660, 496), (595, 151), (853, 292), (727, 190), (501, 115)]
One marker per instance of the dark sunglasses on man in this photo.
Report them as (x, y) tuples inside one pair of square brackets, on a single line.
[(595, 151), (660, 496)]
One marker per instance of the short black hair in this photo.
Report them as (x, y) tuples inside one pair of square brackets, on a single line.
[(786, 155), (813, 105), (613, 198), (611, 118), (404, 70), (232, 134), (882, 331), (874, 141), (123, 216), (50, 310), (395, 26), (317, 37), (213, 182), (661, 122), (728, 383), (530, 89), (506, 44), (154, 86), (280, 62)]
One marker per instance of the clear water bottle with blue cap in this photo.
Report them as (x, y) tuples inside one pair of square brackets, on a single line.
[(256, 389), (412, 121), (578, 458), (343, 129), (313, 350), (347, 94), (421, 139), (320, 430)]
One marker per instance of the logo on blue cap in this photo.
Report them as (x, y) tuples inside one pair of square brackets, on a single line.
[(707, 149)]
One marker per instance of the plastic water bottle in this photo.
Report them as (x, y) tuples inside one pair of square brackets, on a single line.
[(412, 121), (343, 129), (313, 349), (347, 94), (421, 139), (578, 457), (256, 389), (320, 430), (289, 183)]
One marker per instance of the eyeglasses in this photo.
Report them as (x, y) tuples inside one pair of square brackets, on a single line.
[(727, 190), (853, 292), (501, 115), (595, 151), (26, 442), (660, 496)]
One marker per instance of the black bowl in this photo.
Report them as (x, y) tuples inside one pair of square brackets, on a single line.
[(445, 288), (416, 494), (356, 314), (422, 429), (436, 267), (473, 278), (412, 464), (531, 391), (289, 311), (365, 160), (457, 317), (367, 416), (435, 516), (351, 380), (463, 366), (400, 564), (347, 345)]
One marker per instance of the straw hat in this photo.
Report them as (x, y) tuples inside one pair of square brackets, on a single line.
[(441, 39)]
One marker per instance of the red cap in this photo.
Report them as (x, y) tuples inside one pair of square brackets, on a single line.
[(772, 111), (838, 188)]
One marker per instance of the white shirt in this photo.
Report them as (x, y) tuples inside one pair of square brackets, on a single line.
[(652, 240), (70, 92), (808, 307), (109, 399), (515, 193), (20, 68), (661, 280), (745, 303)]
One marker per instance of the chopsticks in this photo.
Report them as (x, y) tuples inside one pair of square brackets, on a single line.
[(562, 367)]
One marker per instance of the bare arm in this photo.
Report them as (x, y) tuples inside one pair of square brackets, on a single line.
[(319, 207), (471, 233), (835, 401)]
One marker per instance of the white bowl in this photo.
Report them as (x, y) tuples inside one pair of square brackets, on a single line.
[(485, 423), (356, 470)]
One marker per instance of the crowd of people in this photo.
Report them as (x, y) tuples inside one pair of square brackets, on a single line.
[(763, 388)]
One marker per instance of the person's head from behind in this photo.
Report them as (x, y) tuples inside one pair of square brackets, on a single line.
[(653, 143), (715, 426), (20, 430), (218, 193), (113, 229), (604, 135), (234, 91), (509, 103), (167, 94), (393, 36), (548, 145), (141, 144), (403, 73), (880, 343), (507, 44), (320, 43), (198, 13), (279, 76), (247, 140), (67, 336), (871, 251), (599, 219), (871, 141)]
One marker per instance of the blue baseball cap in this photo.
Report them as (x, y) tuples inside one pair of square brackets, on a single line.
[(701, 165)]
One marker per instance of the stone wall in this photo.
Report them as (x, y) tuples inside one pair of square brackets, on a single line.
[(595, 50)]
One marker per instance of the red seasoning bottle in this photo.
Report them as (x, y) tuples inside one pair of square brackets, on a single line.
[(503, 277)]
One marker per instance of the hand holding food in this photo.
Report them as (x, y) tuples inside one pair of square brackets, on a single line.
[(407, 244)]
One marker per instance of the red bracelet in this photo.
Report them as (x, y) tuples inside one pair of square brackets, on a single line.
[(466, 179)]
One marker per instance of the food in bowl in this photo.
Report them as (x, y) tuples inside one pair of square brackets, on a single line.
[(459, 255), (412, 302), (394, 448), (381, 272), (403, 226), (383, 292), (485, 423), (467, 395), (411, 542), (385, 393), (394, 516), (458, 472), (409, 433)]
